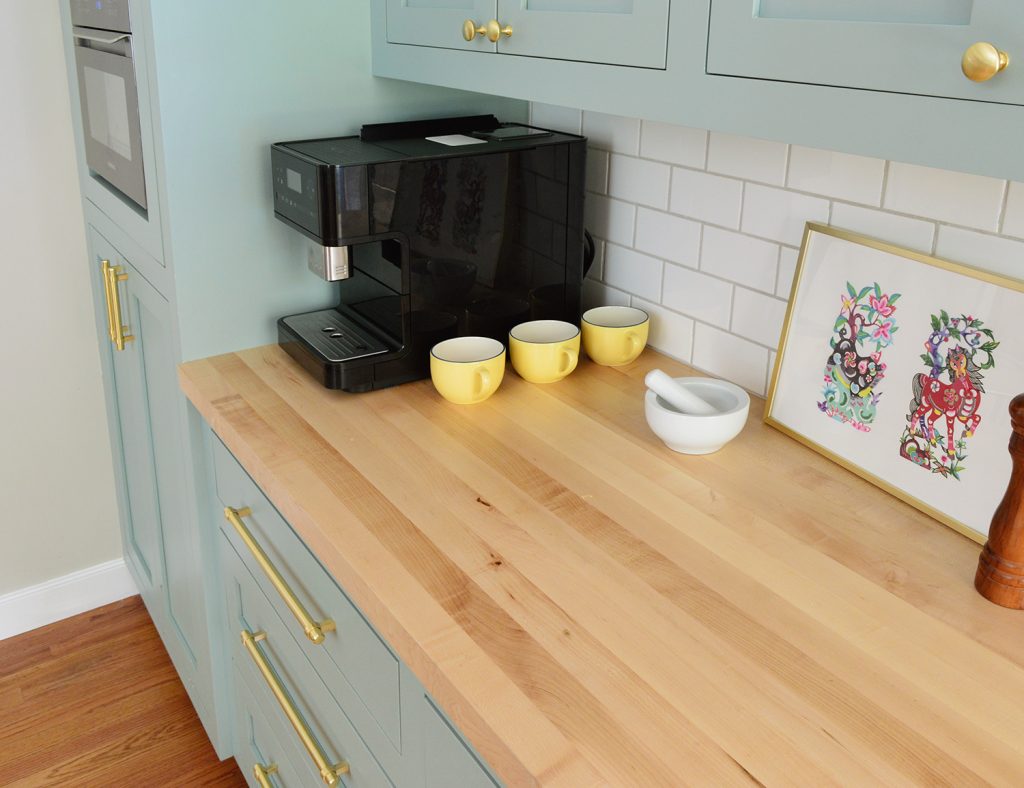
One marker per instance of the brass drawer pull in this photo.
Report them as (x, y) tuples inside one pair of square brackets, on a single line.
[(314, 630), (331, 773), (492, 31), (106, 292), (262, 774), (112, 275)]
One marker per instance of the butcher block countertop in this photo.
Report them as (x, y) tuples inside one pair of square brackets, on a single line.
[(591, 608)]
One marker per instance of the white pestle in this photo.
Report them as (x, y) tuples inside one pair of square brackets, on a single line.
[(679, 397)]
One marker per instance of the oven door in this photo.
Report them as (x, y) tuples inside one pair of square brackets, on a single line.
[(110, 109)]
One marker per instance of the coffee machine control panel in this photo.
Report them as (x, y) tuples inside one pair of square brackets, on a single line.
[(296, 191)]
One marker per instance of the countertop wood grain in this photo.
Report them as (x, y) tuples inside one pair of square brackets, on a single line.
[(594, 609)]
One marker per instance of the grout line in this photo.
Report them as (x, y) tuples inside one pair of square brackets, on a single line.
[(743, 202), (1002, 208), (885, 185), (707, 148), (778, 267), (732, 311), (785, 167), (831, 206)]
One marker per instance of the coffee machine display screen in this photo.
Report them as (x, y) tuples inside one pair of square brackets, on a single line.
[(294, 180)]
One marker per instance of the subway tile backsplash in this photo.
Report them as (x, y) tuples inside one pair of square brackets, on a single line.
[(702, 229)]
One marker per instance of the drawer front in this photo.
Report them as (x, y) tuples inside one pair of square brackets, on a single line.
[(249, 611), (354, 662), (257, 745)]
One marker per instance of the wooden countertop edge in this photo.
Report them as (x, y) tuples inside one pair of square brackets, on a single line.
[(559, 764)]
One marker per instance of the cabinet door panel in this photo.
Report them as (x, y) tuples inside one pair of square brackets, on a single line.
[(899, 46), (438, 23), (134, 467), (619, 32)]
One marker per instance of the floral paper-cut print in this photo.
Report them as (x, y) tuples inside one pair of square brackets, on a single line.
[(854, 368), (948, 395)]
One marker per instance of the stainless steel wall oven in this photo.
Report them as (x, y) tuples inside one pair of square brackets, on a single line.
[(110, 97)]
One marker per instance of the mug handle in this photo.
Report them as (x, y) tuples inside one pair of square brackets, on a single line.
[(571, 358), (483, 383), (635, 344)]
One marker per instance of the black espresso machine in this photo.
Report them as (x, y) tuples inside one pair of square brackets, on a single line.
[(429, 240)]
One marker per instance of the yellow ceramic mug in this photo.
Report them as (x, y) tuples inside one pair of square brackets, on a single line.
[(544, 351), (466, 370), (615, 335)]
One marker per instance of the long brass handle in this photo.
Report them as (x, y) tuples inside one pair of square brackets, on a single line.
[(331, 773), (314, 629), (106, 292), (115, 274), (982, 61), (262, 774)]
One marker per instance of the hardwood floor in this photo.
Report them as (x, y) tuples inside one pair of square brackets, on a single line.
[(95, 701)]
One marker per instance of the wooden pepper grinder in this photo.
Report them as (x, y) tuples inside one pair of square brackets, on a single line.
[(1000, 576)]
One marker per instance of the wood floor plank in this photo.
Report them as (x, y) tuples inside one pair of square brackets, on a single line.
[(95, 701)]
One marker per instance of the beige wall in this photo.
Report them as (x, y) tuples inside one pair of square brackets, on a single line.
[(57, 507)]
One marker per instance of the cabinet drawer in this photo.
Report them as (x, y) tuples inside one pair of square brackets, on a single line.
[(354, 662), (250, 614), (257, 744), (447, 759)]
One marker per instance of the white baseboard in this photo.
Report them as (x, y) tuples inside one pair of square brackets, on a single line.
[(36, 606)]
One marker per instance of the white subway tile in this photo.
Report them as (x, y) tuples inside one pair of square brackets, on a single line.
[(842, 175), (609, 219), (740, 258), (772, 356), (779, 214), (788, 258), (699, 296), (970, 200), (612, 132), (902, 230), (668, 237), (731, 357), (598, 294), (990, 252), (669, 332), (633, 272), (1013, 221), (551, 116), (757, 316), (675, 144), (638, 180), (748, 158), (597, 171), (709, 198)]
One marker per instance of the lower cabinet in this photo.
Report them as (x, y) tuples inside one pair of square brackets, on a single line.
[(145, 412), (320, 698)]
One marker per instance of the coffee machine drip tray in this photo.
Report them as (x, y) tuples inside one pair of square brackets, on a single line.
[(334, 336)]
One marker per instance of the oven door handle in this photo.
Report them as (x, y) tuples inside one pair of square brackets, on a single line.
[(86, 34)]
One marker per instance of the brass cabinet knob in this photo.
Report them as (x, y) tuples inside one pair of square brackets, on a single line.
[(496, 31), (982, 61), (471, 31)]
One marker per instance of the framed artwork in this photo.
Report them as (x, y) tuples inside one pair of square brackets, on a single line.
[(901, 367)]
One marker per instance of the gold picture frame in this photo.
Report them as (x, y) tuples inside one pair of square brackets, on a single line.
[(862, 469)]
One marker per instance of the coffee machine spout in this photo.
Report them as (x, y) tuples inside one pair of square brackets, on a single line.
[(331, 263)]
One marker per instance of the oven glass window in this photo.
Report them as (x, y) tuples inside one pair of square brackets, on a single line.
[(106, 96)]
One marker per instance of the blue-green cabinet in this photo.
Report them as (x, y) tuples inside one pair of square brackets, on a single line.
[(899, 46), (160, 542), (620, 32)]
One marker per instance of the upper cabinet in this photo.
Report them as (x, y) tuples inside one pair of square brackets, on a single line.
[(879, 78), (617, 32), (899, 46)]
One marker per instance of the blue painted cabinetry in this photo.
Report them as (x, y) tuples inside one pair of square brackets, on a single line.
[(900, 46), (310, 696), (620, 32), (877, 77), (205, 267)]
